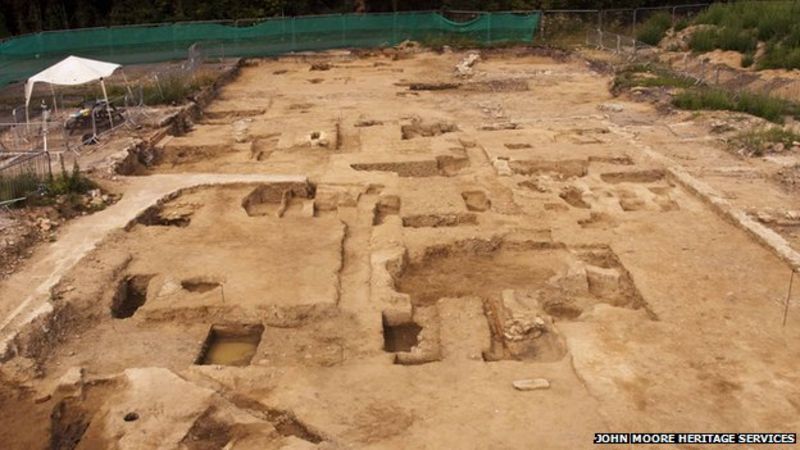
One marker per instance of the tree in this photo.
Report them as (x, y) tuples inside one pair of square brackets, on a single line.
[(4, 32)]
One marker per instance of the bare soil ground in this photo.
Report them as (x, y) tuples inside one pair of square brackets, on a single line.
[(368, 256)]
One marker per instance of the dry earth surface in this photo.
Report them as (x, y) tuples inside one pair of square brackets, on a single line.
[(374, 253)]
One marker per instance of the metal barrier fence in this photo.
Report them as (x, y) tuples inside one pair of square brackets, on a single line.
[(23, 173), (696, 67), (572, 25)]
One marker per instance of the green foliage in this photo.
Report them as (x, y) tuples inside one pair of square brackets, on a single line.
[(740, 25), (653, 29), (3, 28), (780, 56), (738, 40), (682, 23), (646, 75), (171, 89), (703, 98), (17, 186), (70, 183), (704, 40), (756, 141), (748, 59), (28, 184)]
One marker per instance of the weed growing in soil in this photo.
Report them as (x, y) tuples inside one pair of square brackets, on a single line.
[(653, 29), (169, 90), (705, 98), (70, 183), (741, 25), (759, 141), (645, 75)]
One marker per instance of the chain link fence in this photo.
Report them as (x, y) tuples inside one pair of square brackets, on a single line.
[(702, 69), (572, 26)]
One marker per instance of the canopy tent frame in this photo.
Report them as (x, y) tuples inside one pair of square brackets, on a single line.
[(73, 71)]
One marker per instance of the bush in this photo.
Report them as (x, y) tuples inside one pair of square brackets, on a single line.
[(681, 24), (19, 185), (653, 29), (748, 59), (770, 108), (740, 25), (170, 89), (742, 41), (649, 76), (704, 40), (70, 183), (756, 141)]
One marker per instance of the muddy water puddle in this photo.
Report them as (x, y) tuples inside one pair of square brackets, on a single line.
[(231, 345)]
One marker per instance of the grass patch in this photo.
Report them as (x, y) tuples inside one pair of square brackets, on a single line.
[(172, 89), (644, 75), (757, 142), (70, 183), (741, 25), (704, 98), (682, 23), (42, 189), (19, 185), (654, 28), (703, 40)]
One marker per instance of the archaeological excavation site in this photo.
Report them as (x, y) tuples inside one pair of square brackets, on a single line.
[(407, 248)]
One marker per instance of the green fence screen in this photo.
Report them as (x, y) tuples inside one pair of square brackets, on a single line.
[(23, 56)]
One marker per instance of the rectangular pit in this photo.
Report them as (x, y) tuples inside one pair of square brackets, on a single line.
[(400, 337), (130, 296), (230, 345)]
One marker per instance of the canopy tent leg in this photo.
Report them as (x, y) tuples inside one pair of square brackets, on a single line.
[(108, 107), (55, 103)]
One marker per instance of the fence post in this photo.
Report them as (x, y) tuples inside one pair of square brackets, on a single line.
[(600, 20), (294, 38), (619, 48), (49, 166), (489, 28)]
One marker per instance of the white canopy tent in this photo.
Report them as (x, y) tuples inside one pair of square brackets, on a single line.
[(72, 71)]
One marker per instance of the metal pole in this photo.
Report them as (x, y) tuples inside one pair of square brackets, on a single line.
[(108, 107), (788, 298), (44, 125), (294, 38), (55, 103)]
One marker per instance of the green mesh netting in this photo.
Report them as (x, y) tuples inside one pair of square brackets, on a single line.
[(23, 56)]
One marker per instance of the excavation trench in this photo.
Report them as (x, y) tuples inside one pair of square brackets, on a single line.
[(230, 345)]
